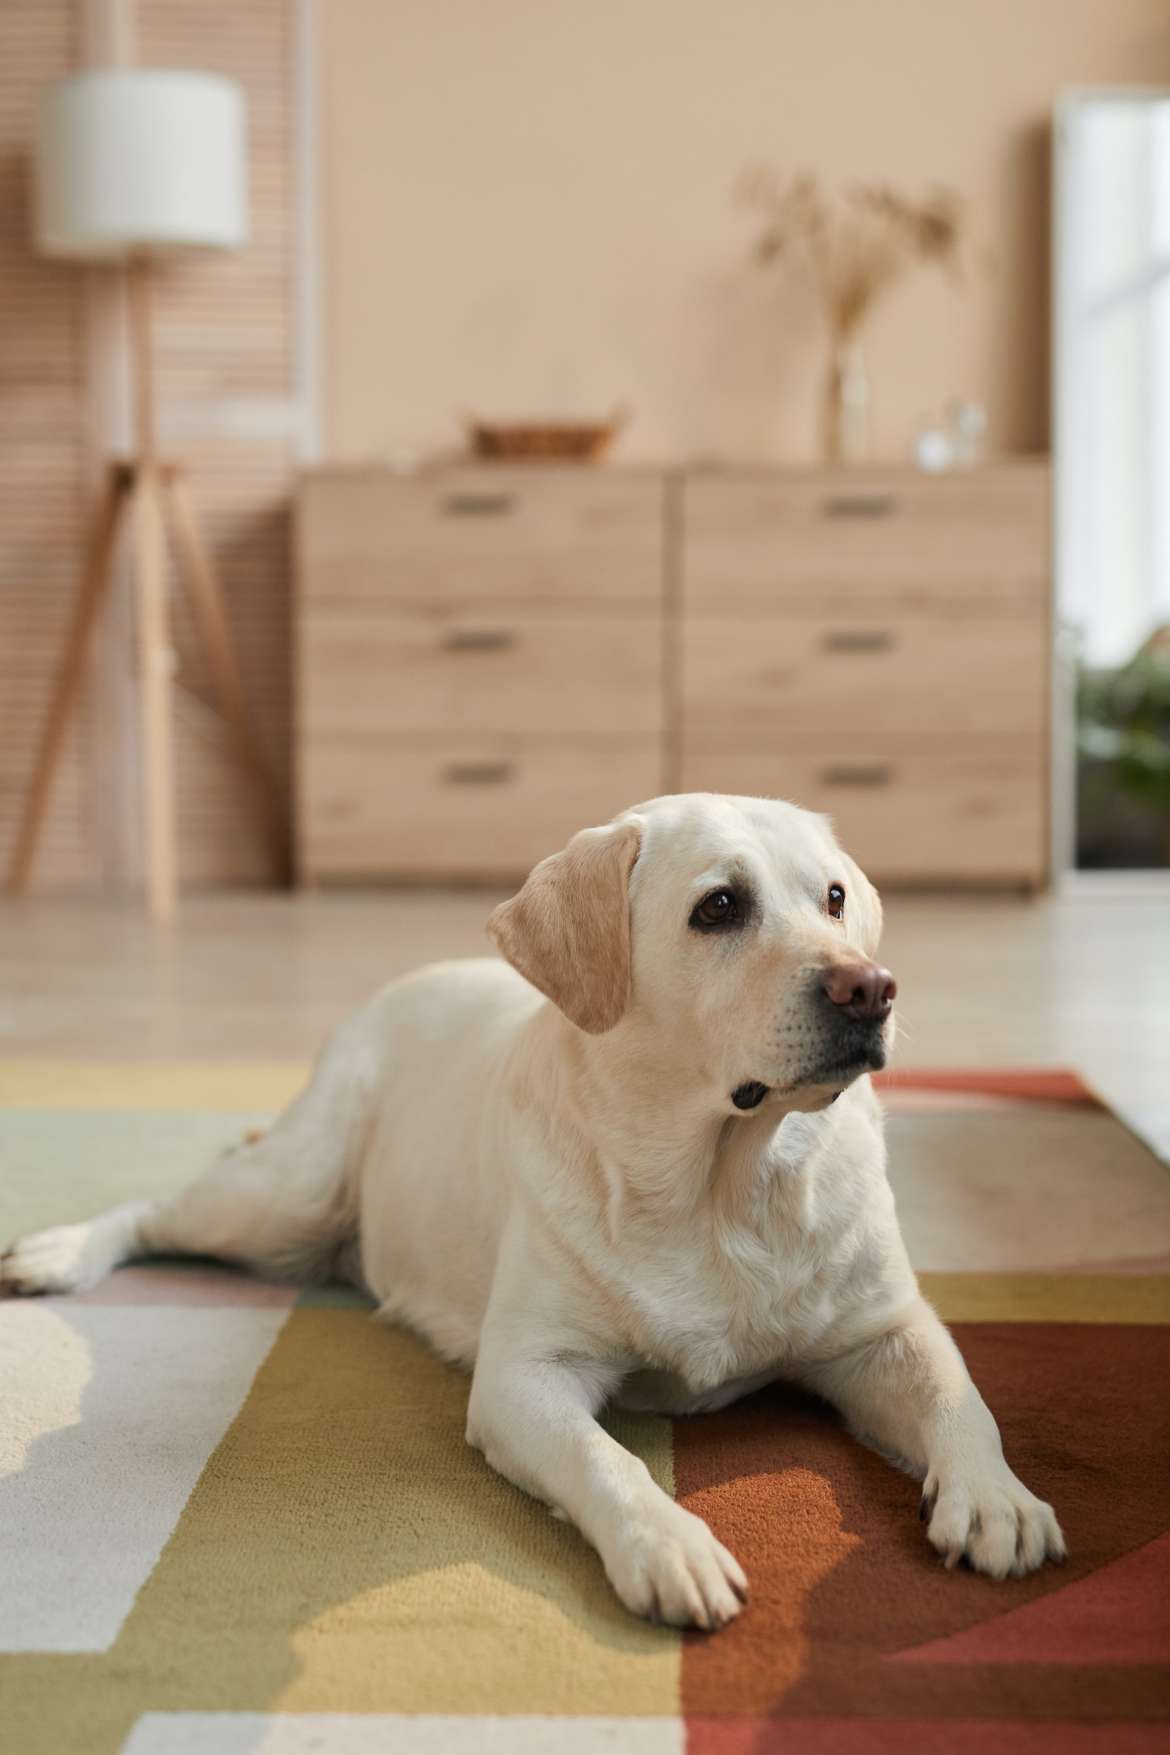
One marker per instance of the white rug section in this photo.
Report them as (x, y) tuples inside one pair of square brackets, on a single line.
[(1151, 1122), (109, 1415), (339, 1733)]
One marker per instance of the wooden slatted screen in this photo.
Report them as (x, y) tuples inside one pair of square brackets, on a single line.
[(225, 349), (42, 448)]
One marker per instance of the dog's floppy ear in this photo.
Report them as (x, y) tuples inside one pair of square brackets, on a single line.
[(568, 929), (863, 909)]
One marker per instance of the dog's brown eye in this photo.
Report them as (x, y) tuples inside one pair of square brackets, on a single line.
[(836, 901), (720, 908)]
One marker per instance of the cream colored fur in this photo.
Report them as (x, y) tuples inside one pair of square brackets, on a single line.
[(561, 1195)]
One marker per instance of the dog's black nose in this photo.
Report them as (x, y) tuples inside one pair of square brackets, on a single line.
[(864, 991)]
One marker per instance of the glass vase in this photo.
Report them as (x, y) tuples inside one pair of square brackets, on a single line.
[(846, 406)]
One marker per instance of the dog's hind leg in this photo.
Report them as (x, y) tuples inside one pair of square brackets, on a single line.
[(284, 1204)]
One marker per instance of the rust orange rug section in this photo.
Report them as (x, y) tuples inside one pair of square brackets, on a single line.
[(870, 1626), (238, 1519)]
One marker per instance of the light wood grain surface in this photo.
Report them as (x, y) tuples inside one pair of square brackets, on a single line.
[(388, 670), (869, 540), (478, 807), (546, 534), (863, 676), (919, 811), (871, 643)]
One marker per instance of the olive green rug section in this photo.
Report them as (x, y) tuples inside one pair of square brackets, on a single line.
[(1095, 1298), (346, 1551), (77, 1137), (58, 1165), (265, 1085), (1133, 1299)]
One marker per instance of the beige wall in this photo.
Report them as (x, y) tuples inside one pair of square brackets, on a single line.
[(526, 206)]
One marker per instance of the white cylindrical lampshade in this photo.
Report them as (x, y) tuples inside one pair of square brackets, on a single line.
[(141, 160)]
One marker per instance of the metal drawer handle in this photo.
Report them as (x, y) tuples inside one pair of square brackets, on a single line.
[(846, 774), (860, 640), (860, 506), (479, 773), (479, 639), (478, 505)]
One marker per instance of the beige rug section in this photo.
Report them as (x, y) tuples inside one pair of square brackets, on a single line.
[(1027, 1187)]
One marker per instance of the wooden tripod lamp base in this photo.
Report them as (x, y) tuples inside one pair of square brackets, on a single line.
[(132, 162), (153, 494)]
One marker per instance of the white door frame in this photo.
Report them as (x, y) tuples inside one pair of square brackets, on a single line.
[(1063, 801)]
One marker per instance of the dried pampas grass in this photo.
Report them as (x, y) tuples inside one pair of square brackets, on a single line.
[(857, 243)]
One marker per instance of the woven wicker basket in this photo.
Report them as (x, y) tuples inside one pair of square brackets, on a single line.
[(575, 441)]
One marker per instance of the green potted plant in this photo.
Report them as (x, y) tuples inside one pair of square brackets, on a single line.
[(1123, 735)]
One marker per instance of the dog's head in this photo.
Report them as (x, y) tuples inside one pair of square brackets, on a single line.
[(732, 931)]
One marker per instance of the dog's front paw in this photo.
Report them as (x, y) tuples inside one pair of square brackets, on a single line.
[(991, 1521), (667, 1566), (60, 1260)]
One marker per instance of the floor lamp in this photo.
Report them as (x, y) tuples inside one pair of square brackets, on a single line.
[(133, 165)]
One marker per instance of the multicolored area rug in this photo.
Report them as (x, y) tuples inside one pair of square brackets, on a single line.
[(237, 1519)]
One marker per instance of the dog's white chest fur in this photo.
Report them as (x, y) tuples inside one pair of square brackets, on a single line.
[(770, 1270)]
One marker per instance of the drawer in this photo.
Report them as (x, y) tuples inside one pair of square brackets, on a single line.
[(472, 808), (745, 678), (385, 670), (541, 535), (894, 537), (906, 814)]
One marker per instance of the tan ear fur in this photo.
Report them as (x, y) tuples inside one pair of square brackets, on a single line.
[(568, 930), (863, 909)]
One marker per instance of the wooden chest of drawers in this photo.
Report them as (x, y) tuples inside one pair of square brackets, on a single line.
[(479, 665), (875, 646), (490, 658)]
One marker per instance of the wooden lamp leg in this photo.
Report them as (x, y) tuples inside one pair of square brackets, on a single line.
[(207, 603), (156, 663), (156, 656), (92, 594)]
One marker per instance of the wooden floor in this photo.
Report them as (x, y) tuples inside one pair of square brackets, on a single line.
[(1079, 981)]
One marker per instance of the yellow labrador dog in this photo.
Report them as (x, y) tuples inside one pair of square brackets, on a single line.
[(638, 1160)]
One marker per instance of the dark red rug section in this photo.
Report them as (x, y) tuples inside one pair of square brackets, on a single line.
[(1026, 1084), (857, 1635), (820, 1736)]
